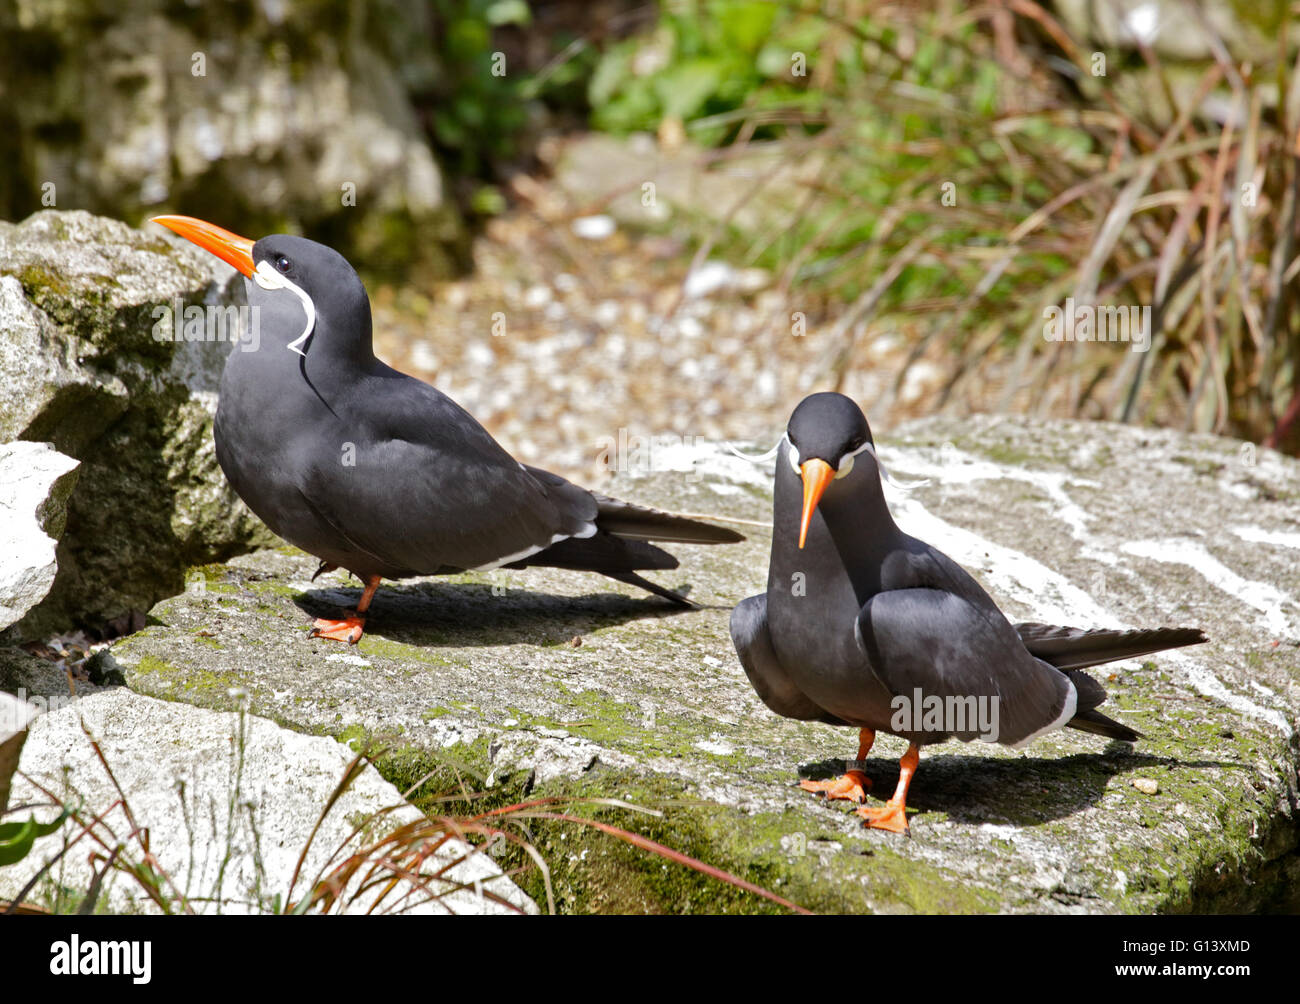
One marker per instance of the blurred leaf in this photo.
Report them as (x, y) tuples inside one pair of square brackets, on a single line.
[(684, 89), (609, 75), (468, 37), (508, 12), (488, 201), (448, 130), (16, 839), (775, 59), (745, 25)]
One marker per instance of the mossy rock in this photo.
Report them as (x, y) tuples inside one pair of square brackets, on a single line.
[(554, 684), (82, 368)]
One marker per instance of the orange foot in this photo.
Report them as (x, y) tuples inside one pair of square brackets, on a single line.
[(349, 629), (853, 785), (891, 816)]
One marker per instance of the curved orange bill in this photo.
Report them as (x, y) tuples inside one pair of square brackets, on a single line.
[(817, 474), (230, 248)]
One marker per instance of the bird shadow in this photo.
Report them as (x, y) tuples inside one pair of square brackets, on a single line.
[(470, 615), (1020, 791)]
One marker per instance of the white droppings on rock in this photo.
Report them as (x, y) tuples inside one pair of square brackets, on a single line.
[(1277, 538), (1205, 682), (593, 228), (1270, 601), (1052, 597), (956, 466), (351, 660)]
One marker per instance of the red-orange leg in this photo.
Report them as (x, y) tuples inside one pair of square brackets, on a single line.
[(852, 785), (350, 628), (892, 815)]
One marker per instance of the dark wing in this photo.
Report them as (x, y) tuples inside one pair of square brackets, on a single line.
[(429, 489), (1066, 649), (1074, 648), (638, 522), (754, 646), (946, 647)]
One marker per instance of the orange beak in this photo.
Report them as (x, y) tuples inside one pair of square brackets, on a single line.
[(817, 474), (230, 248)]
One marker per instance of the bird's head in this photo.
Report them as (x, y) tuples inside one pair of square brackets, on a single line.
[(826, 432), (283, 265)]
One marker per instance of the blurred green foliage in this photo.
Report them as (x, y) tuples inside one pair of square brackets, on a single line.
[(703, 58), (759, 70), (478, 111), (951, 169), (947, 171)]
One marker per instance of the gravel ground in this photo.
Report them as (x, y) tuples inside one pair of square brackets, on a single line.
[(571, 330)]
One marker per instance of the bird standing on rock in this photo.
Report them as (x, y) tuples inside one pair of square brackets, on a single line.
[(863, 625), (379, 473)]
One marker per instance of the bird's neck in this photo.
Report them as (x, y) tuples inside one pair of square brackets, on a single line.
[(346, 350), (849, 536)]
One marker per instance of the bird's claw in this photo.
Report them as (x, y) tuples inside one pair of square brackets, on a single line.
[(852, 786), (349, 629), (325, 566), (891, 816)]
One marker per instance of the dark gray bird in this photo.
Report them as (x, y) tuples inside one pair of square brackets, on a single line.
[(379, 473), (863, 625)]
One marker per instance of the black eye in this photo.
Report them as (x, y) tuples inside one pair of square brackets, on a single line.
[(283, 264)]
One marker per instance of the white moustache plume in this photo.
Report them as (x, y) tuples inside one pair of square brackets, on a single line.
[(846, 462), (268, 278)]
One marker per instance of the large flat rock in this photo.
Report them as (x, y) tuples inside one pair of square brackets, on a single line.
[(227, 803), (565, 684)]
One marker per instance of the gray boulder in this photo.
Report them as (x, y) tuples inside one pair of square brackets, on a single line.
[(81, 368), (229, 802), (35, 482), (123, 109), (15, 716), (547, 683)]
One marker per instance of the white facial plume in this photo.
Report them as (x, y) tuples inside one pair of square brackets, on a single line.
[(268, 278), (841, 470)]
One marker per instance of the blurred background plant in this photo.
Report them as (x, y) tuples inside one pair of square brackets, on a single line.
[(924, 178), (1072, 169)]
